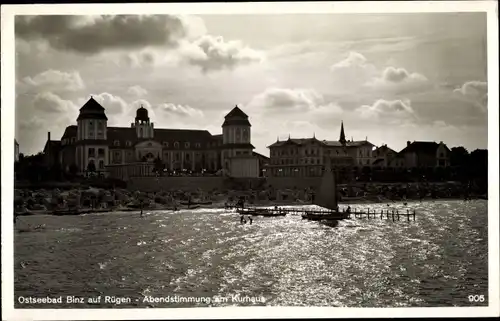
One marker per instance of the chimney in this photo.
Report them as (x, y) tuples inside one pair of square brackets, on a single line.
[(408, 143), (48, 136)]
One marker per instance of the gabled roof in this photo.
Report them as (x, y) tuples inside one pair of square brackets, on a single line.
[(421, 147), (92, 105), (384, 149), (236, 112), (53, 145)]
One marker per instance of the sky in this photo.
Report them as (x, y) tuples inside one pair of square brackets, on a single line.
[(391, 78)]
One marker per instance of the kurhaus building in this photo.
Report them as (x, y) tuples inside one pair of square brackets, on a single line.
[(125, 152)]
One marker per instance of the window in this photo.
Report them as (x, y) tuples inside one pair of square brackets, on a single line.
[(186, 144), (101, 164), (441, 155), (91, 152), (187, 157), (128, 143), (116, 143), (165, 144), (198, 145), (91, 134), (100, 152), (101, 125)]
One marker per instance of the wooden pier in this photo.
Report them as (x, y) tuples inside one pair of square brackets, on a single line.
[(317, 215)]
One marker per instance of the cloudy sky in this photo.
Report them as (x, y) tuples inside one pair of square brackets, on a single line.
[(391, 78)]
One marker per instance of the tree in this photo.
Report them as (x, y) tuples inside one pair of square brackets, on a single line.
[(459, 156)]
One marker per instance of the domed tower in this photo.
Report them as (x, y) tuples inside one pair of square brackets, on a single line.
[(143, 127), (92, 145)]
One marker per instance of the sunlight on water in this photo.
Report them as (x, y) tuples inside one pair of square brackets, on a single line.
[(436, 260)]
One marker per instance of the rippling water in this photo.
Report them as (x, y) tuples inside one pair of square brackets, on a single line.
[(438, 260)]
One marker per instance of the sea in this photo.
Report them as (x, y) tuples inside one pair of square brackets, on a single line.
[(206, 257)]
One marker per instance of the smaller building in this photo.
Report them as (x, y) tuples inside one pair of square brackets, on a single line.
[(51, 152), (425, 154), (263, 162), (383, 156)]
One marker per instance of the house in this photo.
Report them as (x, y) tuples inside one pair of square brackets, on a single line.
[(383, 156), (424, 154)]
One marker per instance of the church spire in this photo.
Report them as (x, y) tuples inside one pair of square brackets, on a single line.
[(342, 134)]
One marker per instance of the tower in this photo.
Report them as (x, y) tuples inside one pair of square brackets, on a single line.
[(143, 127), (342, 134), (92, 146), (236, 134)]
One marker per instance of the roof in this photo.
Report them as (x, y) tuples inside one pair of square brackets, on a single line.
[(92, 105), (296, 141), (70, 131), (329, 143), (260, 155), (92, 110), (238, 145), (124, 134), (236, 112), (421, 147), (348, 143), (53, 145), (236, 122)]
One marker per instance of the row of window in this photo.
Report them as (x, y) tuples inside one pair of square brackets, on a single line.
[(100, 152), (166, 144), (295, 161), (307, 152), (66, 141)]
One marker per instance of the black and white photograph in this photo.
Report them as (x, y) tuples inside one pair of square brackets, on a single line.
[(249, 155)]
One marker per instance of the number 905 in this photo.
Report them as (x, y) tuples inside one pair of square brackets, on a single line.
[(476, 298)]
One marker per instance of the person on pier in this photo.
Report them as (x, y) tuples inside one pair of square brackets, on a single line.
[(348, 209)]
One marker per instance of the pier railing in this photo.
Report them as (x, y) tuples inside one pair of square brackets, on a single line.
[(395, 215)]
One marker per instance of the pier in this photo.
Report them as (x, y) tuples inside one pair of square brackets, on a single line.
[(317, 215)]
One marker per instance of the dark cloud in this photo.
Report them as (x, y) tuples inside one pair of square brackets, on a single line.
[(93, 34)]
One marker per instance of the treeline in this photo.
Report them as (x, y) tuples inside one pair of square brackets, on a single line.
[(464, 167)]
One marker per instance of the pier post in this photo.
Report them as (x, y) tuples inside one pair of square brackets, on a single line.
[(368, 211), (414, 213), (397, 213), (393, 215), (387, 213), (381, 214)]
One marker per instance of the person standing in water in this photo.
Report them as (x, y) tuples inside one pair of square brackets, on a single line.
[(250, 219)]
